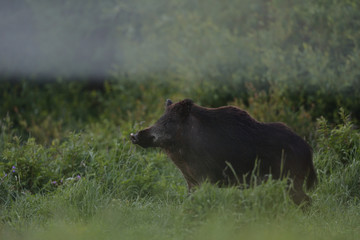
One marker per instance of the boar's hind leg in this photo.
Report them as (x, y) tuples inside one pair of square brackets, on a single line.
[(190, 183), (298, 195)]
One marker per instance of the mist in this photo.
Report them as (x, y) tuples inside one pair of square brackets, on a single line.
[(227, 41), (88, 39), (82, 39), (54, 39)]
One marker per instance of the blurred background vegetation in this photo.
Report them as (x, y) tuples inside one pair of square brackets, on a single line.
[(68, 63), (77, 77)]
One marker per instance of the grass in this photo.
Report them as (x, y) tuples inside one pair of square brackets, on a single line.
[(160, 219), (106, 188)]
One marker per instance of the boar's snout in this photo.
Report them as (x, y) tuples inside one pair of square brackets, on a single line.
[(134, 138), (143, 138)]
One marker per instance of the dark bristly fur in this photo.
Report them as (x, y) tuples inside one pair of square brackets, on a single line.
[(203, 142)]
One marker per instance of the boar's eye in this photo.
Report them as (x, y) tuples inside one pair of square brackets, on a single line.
[(168, 103)]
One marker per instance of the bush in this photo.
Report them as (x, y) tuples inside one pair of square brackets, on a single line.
[(337, 159), (272, 106), (101, 153), (25, 165)]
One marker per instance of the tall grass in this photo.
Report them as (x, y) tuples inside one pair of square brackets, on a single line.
[(113, 190)]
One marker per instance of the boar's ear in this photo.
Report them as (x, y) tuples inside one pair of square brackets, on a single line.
[(168, 103), (185, 107)]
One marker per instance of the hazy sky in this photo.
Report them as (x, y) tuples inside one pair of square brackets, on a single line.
[(50, 39)]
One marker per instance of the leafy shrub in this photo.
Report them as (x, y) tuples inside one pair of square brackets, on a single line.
[(341, 142), (272, 106), (100, 153), (26, 165), (338, 159)]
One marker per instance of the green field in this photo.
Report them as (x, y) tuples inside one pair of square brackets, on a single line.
[(89, 73), (92, 183)]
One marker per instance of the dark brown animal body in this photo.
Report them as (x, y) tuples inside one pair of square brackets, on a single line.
[(218, 143)]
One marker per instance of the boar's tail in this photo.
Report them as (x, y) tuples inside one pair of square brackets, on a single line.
[(311, 178)]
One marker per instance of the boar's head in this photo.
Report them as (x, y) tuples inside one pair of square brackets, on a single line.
[(167, 130)]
